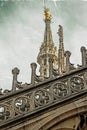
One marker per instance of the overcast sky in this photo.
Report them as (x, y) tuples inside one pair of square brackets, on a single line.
[(22, 31)]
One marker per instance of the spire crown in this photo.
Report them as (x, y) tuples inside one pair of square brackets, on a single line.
[(47, 14)]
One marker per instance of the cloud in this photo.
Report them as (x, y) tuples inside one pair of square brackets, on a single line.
[(19, 38)]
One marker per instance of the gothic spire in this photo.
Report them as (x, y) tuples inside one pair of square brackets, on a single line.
[(47, 48)]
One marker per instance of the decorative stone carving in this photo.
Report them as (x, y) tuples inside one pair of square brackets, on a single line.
[(21, 104), (77, 83), (42, 95), (4, 112), (60, 90)]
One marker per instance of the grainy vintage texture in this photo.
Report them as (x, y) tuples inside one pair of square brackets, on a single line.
[(55, 100)]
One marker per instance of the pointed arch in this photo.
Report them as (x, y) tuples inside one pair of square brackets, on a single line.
[(58, 119)]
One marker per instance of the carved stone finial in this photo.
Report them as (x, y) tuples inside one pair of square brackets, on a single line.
[(60, 33), (51, 66), (83, 48), (83, 51), (67, 55), (33, 73), (15, 72)]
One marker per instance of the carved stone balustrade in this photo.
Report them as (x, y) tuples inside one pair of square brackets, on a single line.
[(41, 96)]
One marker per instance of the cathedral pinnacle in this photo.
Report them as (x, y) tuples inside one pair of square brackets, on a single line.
[(61, 65), (47, 48)]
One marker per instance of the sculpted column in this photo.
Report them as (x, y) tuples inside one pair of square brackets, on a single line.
[(51, 67), (83, 51), (15, 73), (67, 55), (33, 73)]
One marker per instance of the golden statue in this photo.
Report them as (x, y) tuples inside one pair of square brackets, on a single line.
[(47, 14)]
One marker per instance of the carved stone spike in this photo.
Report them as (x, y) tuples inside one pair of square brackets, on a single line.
[(33, 68), (83, 51), (61, 63), (15, 72), (60, 33), (51, 66), (67, 55)]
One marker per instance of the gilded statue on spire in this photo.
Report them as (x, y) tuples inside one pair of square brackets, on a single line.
[(47, 14)]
